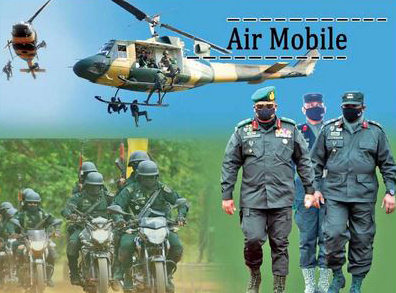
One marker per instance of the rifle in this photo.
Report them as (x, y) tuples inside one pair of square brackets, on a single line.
[(80, 161), (120, 163), (20, 199)]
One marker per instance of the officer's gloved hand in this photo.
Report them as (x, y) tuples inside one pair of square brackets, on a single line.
[(181, 220)]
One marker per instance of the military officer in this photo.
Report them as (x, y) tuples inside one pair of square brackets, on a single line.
[(92, 200), (309, 221), (350, 148), (29, 217), (265, 147), (134, 198)]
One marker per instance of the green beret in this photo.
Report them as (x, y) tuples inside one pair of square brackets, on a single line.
[(355, 98), (266, 94)]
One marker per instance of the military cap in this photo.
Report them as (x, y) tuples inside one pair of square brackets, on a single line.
[(266, 94), (355, 98), (313, 97)]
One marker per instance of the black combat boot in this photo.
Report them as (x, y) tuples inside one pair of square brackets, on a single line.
[(254, 282), (338, 282), (279, 284)]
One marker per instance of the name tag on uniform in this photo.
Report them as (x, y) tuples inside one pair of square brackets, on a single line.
[(252, 136), (283, 132), (335, 133), (335, 137)]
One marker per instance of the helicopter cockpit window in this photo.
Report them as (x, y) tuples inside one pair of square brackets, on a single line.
[(106, 48), (122, 51)]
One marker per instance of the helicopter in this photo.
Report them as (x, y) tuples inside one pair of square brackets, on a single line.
[(134, 65), (24, 43)]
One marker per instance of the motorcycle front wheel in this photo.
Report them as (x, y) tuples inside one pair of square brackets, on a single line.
[(160, 278), (39, 282), (103, 275)]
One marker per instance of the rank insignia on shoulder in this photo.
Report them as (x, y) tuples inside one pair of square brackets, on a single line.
[(305, 128)]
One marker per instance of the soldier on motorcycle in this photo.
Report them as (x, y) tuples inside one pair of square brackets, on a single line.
[(92, 200), (33, 217), (134, 198)]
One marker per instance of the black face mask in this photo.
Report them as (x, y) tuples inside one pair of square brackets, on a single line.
[(265, 114), (315, 113), (148, 182), (32, 209), (351, 114)]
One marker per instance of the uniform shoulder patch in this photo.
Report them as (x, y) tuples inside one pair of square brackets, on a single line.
[(284, 119), (244, 122), (375, 123)]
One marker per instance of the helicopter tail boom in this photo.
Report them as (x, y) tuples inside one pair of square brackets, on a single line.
[(255, 74)]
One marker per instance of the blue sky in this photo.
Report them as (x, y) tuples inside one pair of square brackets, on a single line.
[(59, 104)]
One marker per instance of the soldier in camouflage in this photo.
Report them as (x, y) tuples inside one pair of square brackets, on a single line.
[(350, 148), (134, 159), (92, 200), (265, 148), (7, 229), (30, 216), (133, 198)]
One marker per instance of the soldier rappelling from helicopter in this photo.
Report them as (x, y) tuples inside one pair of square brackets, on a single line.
[(7, 69)]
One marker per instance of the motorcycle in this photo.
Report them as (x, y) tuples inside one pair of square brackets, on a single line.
[(35, 245), (97, 252), (149, 264)]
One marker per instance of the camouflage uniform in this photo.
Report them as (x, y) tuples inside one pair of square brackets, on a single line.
[(133, 198), (83, 201)]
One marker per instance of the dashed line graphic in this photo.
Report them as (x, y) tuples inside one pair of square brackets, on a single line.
[(308, 19), (255, 57)]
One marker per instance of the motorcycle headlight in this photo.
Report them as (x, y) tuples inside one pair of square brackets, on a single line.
[(100, 235), (37, 245), (155, 236)]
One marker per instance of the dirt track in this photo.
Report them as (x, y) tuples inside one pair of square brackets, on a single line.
[(190, 278)]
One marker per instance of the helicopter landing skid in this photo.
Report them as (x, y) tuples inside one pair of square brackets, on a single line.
[(99, 98)]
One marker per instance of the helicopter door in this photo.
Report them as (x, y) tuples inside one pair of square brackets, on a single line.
[(122, 51)]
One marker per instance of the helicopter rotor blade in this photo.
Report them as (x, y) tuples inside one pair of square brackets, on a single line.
[(195, 38), (140, 15), (38, 12)]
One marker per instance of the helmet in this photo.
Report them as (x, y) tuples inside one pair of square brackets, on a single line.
[(11, 212), (25, 192), (87, 167), (166, 52), (94, 178), (137, 156), (147, 168), (32, 197), (5, 206)]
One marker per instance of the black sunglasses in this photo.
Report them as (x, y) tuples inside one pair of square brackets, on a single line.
[(262, 106)]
